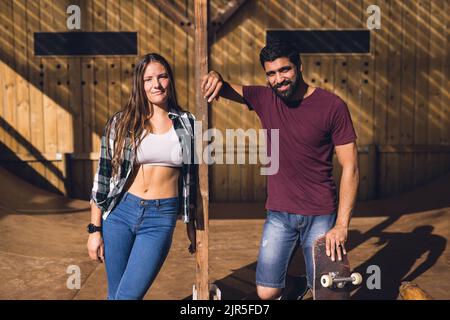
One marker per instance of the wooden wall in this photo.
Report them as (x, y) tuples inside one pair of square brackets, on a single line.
[(53, 109)]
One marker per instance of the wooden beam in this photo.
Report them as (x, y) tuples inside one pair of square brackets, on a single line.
[(225, 14), (362, 149), (217, 22), (414, 148), (172, 12), (201, 69), (29, 157)]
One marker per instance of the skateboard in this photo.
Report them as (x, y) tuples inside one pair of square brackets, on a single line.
[(331, 278)]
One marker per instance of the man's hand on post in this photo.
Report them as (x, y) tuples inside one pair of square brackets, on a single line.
[(211, 85)]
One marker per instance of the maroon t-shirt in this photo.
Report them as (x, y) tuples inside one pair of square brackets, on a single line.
[(304, 183)]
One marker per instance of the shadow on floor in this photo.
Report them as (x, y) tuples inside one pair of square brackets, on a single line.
[(397, 255)]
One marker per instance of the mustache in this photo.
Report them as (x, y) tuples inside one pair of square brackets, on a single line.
[(284, 83)]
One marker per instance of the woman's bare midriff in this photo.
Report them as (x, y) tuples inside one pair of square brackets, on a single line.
[(153, 182)]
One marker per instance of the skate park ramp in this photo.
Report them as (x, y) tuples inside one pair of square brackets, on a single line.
[(38, 233), (23, 197), (405, 235)]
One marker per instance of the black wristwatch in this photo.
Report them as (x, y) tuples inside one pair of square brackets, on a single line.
[(91, 228)]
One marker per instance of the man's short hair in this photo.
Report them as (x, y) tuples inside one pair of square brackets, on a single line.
[(280, 49)]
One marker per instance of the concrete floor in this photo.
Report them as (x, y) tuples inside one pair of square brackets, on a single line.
[(406, 236)]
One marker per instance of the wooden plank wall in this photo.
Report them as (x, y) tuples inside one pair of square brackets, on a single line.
[(387, 91), (397, 95)]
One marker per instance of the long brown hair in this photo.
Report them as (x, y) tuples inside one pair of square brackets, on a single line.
[(136, 114)]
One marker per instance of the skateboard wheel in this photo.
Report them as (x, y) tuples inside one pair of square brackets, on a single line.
[(357, 278), (326, 281)]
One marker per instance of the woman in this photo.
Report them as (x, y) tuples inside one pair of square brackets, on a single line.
[(146, 175)]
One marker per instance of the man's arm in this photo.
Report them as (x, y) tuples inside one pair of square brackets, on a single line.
[(348, 158), (214, 86)]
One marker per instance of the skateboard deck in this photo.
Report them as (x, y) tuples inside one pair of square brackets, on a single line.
[(332, 279)]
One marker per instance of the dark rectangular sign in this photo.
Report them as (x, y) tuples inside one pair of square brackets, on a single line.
[(324, 41), (85, 43)]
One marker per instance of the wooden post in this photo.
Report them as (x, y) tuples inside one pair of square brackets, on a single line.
[(201, 69)]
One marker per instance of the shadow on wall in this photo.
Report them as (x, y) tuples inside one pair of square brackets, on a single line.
[(431, 196), (24, 171)]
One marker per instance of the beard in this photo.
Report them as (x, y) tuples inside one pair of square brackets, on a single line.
[(287, 94)]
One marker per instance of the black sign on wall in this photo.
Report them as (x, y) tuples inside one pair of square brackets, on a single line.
[(85, 43), (324, 41)]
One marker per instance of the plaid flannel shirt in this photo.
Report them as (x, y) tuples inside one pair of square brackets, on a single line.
[(107, 190)]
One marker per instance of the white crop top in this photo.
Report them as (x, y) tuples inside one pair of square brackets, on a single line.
[(160, 150)]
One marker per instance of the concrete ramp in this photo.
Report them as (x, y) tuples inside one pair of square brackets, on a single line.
[(42, 236), (406, 236), (20, 196)]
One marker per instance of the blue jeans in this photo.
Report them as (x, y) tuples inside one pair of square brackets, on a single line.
[(281, 234), (137, 236)]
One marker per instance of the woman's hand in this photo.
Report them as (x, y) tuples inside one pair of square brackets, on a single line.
[(96, 247), (191, 233)]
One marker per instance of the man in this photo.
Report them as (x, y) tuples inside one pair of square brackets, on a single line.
[(301, 197)]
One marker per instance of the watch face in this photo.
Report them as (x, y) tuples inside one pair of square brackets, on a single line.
[(93, 228)]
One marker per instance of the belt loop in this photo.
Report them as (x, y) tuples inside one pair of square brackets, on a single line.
[(157, 203)]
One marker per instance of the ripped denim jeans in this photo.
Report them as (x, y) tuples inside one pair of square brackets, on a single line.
[(282, 233)]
